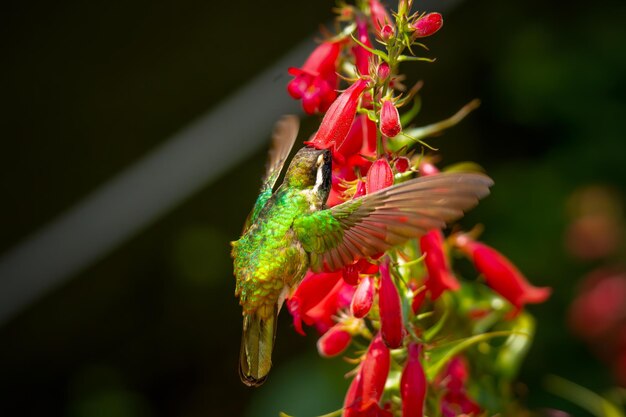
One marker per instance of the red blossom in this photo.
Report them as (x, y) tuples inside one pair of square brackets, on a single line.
[(338, 120), (389, 119), (391, 327), (413, 384), (440, 277), (316, 82), (368, 385), (363, 297), (334, 341), (317, 300), (501, 275), (427, 25), (379, 176), (362, 55)]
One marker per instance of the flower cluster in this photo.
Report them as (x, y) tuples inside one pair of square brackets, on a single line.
[(418, 317)]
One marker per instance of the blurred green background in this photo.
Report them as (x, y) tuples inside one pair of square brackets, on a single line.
[(153, 328)]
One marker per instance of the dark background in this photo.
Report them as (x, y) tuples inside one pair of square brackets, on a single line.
[(153, 329)]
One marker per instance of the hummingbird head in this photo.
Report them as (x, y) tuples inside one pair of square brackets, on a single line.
[(311, 169)]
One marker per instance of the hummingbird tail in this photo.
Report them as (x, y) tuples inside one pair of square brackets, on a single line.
[(257, 342)]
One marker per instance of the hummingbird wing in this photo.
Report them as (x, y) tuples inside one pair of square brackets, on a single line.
[(370, 225), (283, 137)]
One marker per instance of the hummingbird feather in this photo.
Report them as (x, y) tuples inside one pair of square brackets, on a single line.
[(283, 137), (370, 225)]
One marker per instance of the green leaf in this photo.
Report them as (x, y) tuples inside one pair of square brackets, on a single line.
[(440, 355), (403, 58), (436, 328)]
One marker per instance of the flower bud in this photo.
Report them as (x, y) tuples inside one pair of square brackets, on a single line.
[(440, 276), (402, 164), (334, 341), (389, 119), (379, 176), (383, 71), (391, 327), (427, 25), (387, 32), (413, 384), (363, 298)]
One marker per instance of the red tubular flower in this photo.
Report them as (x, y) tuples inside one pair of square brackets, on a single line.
[(501, 275), (361, 55), (379, 16), (338, 120), (379, 176), (389, 119), (317, 299), (391, 327), (315, 83), (440, 277), (427, 25), (334, 341), (363, 298), (413, 384), (368, 385)]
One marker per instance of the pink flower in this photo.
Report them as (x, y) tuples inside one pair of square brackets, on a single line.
[(440, 277), (389, 119), (334, 341), (368, 385), (391, 327), (363, 297), (379, 176), (361, 55), (427, 25), (413, 384), (501, 275), (338, 120), (315, 83)]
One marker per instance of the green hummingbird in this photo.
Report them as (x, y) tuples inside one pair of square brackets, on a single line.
[(290, 230)]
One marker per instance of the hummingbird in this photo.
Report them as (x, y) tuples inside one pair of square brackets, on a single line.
[(290, 230)]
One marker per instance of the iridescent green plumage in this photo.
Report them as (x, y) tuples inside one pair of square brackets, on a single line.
[(291, 230)]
